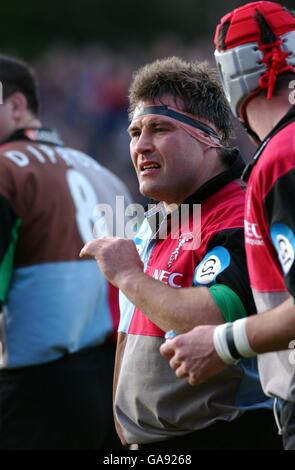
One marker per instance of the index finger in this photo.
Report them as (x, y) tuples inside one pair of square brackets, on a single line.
[(84, 251), (90, 248)]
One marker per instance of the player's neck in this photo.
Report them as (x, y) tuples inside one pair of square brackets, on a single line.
[(29, 120), (263, 115)]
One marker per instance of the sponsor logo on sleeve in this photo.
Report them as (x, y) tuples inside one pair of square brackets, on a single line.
[(214, 263), (284, 241)]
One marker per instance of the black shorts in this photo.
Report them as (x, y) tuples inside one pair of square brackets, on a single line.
[(64, 404), (255, 429), (287, 418)]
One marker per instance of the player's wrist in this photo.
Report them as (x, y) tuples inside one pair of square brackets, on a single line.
[(231, 341)]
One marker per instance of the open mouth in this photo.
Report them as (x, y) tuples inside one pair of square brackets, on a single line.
[(148, 167)]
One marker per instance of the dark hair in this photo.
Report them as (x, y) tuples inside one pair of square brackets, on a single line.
[(15, 75), (195, 83)]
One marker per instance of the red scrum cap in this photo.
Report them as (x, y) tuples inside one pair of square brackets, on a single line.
[(254, 44)]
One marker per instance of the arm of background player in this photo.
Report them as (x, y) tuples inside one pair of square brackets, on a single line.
[(9, 227)]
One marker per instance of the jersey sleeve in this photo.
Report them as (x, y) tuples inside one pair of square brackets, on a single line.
[(279, 207), (9, 228), (224, 271)]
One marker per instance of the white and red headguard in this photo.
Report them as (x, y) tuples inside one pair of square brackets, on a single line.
[(248, 63)]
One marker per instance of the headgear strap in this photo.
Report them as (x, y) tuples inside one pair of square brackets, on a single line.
[(197, 129), (275, 61)]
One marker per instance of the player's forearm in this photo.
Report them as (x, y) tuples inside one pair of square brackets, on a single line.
[(180, 309), (272, 330)]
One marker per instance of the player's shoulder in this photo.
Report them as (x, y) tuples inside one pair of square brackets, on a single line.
[(13, 155), (280, 149), (87, 164), (276, 160)]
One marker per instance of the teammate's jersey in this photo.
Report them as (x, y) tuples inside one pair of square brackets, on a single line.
[(151, 404), (270, 243), (54, 303)]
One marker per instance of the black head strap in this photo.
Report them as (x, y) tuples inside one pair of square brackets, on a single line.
[(166, 111)]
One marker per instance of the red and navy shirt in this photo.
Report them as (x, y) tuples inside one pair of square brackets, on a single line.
[(270, 241), (151, 404)]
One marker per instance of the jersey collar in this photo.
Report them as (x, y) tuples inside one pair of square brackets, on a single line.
[(35, 134), (287, 119)]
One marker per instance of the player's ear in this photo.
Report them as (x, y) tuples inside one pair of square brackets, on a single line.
[(18, 104)]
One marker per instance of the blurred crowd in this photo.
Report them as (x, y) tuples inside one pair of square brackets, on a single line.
[(84, 95)]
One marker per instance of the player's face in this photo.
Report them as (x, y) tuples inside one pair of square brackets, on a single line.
[(169, 162)]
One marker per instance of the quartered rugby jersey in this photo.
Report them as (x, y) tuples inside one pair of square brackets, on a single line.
[(53, 302), (151, 404), (270, 242)]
